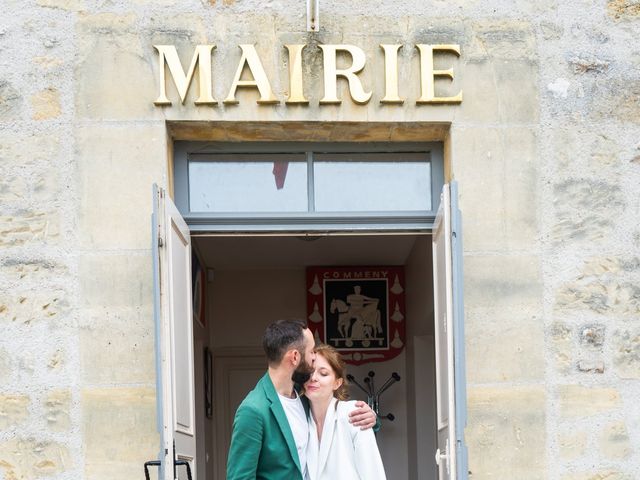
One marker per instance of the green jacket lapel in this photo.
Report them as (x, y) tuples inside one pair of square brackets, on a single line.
[(281, 418)]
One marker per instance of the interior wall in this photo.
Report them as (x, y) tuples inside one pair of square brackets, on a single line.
[(421, 403), (392, 437), (243, 302)]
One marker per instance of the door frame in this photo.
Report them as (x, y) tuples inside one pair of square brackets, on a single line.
[(204, 225)]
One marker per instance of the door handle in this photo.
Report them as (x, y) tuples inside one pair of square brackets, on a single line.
[(443, 456)]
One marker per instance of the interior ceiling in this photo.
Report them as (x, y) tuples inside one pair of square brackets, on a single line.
[(275, 252)]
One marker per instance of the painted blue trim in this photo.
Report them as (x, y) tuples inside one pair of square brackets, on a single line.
[(437, 176), (458, 336), (311, 220), (181, 177), (311, 188), (317, 228), (356, 221), (157, 317)]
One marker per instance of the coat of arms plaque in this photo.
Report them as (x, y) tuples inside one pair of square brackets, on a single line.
[(358, 310)]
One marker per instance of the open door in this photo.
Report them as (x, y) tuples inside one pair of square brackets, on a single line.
[(451, 453), (174, 340)]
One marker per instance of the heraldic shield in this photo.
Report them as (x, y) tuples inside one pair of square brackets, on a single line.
[(358, 310)]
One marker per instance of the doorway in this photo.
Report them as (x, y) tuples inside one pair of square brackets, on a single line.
[(254, 280), (252, 271)]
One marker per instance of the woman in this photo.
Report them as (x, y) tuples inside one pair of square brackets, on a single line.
[(337, 450)]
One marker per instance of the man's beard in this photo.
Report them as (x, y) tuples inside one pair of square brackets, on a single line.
[(303, 373)]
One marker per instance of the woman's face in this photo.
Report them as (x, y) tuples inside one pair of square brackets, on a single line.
[(323, 381)]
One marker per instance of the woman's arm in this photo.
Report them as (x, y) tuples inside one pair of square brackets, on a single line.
[(368, 460)]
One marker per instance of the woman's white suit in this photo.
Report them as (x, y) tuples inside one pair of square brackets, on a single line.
[(345, 452)]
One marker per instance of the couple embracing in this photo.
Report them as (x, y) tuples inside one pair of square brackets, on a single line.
[(295, 424)]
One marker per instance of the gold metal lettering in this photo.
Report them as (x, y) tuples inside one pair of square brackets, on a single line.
[(391, 74), (296, 86), (428, 74), (331, 74), (202, 58), (260, 80)]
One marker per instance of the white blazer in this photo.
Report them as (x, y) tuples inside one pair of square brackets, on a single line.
[(345, 452)]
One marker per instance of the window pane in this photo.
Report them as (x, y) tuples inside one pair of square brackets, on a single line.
[(248, 183), (372, 182)]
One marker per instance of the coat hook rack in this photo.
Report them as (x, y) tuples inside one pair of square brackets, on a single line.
[(373, 395)]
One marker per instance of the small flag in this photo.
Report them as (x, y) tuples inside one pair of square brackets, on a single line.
[(280, 173)]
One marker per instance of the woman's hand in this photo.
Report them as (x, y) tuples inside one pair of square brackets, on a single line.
[(362, 416)]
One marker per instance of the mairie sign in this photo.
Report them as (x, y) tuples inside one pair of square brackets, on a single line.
[(251, 64)]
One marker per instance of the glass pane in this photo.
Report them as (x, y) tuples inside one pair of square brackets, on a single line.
[(249, 183), (372, 182)]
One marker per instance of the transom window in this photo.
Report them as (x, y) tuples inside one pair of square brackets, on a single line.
[(243, 183), (298, 185)]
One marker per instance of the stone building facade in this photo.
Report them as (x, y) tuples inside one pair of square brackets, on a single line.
[(545, 147)]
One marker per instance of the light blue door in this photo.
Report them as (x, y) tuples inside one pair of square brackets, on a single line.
[(451, 452)]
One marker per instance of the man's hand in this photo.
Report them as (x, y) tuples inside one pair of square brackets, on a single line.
[(362, 416)]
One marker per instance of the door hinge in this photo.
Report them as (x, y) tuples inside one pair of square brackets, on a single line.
[(160, 242)]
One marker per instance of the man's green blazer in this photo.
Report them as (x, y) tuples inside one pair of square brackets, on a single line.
[(262, 445)]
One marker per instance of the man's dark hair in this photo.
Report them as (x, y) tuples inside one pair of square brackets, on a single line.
[(281, 336)]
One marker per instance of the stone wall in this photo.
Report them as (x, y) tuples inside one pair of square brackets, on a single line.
[(590, 126), (545, 146)]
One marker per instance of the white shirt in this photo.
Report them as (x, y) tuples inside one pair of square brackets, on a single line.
[(297, 419), (345, 452)]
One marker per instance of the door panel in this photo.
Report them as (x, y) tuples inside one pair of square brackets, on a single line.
[(175, 340), (179, 252)]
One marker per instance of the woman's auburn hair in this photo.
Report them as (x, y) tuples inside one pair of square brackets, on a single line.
[(339, 367)]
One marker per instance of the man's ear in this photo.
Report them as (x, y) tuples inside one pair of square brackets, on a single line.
[(293, 356)]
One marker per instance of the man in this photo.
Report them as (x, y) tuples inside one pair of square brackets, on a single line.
[(270, 429)]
